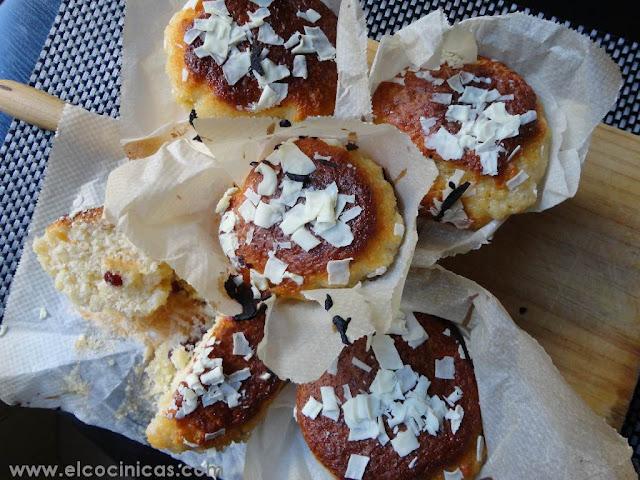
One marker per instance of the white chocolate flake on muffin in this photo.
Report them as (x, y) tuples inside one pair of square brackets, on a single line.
[(323, 218), (232, 46)]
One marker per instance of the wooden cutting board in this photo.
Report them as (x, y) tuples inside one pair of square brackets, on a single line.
[(569, 276)]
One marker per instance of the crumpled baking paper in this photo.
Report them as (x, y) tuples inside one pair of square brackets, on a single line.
[(147, 105), (64, 361), (165, 206), (575, 80), (535, 425)]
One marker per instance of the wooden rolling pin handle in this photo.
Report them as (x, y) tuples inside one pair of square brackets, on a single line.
[(30, 104)]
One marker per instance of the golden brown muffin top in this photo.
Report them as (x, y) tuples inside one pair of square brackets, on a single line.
[(403, 104), (328, 439), (368, 211), (258, 388), (314, 95)]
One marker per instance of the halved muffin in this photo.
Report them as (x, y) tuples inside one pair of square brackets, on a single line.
[(99, 270)]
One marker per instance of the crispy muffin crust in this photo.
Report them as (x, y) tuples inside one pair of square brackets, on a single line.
[(206, 89), (375, 243), (403, 105), (328, 439), (189, 432)]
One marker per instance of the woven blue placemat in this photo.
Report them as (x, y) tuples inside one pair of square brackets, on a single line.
[(80, 63)]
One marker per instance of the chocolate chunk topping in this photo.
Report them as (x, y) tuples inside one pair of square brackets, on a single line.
[(458, 336), (176, 287), (192, 116), (256, 66), (351, 146), (298, 178), (285, 123), (326, 162), (328, 303), (451, 199), (244, 296), (342, 324)]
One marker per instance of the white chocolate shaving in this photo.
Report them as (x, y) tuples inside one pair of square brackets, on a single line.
[(305, 239), (241, 345), (356, 466), (445, 368), (312, 408), (269, 181), (338, 271), (310, 15)]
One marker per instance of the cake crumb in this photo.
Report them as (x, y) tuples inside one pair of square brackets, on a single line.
[(74, 383)]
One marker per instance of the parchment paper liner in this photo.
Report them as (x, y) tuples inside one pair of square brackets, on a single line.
[(164, 204), (102, 383)]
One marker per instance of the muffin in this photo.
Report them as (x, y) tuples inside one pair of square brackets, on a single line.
[(237, 58), (313, 214), (397, 407), (99, 270), (485, 128)]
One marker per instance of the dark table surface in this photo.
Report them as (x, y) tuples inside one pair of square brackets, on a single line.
[(50, 437)]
